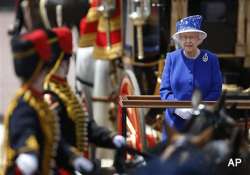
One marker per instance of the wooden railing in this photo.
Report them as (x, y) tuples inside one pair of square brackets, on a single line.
[(152, 101)]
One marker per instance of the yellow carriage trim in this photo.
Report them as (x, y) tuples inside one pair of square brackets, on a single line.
[(106, 53)]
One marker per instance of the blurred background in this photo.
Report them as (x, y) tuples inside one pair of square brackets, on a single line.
[(8, 81)]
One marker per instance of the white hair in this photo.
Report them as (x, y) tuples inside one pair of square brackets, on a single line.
[(200, 36)]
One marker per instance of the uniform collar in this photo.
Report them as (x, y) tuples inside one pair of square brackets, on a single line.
[(59, 79), (35, 92)]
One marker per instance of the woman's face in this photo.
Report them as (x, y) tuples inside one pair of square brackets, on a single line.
[(190, 41)]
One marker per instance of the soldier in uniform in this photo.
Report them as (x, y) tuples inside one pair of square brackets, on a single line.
[(32, 132), (76, 127)]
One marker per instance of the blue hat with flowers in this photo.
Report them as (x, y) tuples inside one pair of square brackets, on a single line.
[(189, 24)]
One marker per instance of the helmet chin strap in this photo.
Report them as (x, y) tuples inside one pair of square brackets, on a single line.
[(54, 69), (36, 79)]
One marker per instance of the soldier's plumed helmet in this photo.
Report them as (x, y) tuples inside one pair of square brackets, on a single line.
[(28, 49), (61, 42)]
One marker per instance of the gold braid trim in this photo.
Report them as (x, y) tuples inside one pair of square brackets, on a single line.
[(87, 40), (50, 127), (53, 40), (104, 53), (53, 70), (35, 74), (8, 152), (31, 143), (93, 15), (114, 24), (24, 54), (74, 111)]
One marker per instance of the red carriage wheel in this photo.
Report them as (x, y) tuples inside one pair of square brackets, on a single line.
[(135, 120)]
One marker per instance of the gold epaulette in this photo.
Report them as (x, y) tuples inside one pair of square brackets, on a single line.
[(74, 110)]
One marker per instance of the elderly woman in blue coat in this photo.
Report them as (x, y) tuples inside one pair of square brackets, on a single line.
[(189, 68)]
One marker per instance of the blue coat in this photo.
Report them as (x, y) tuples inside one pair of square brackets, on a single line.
[(182, 75)]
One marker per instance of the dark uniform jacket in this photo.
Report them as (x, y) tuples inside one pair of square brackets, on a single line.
[(76, 127), (30, 127)]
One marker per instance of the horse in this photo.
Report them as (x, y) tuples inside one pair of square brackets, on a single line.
[(209, 140)]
